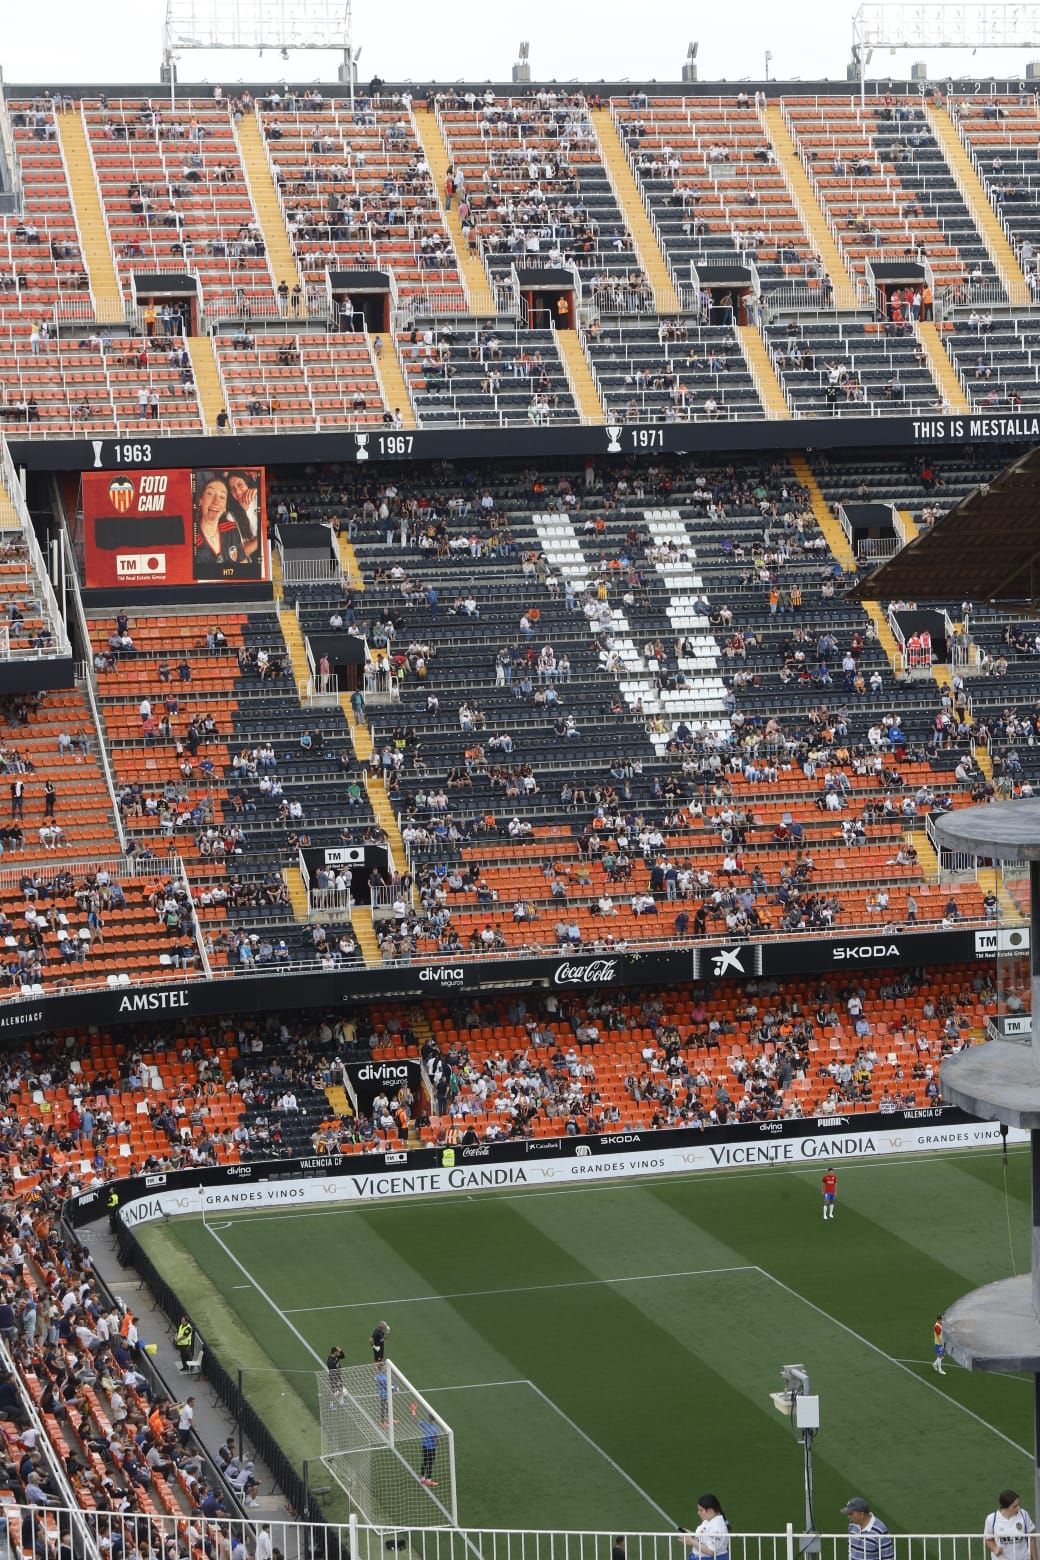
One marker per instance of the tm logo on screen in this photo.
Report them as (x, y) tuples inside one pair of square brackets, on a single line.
[(141, 566)]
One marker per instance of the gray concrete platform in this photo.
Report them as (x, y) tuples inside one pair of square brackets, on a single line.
[(995, 1328), (997, 1081)]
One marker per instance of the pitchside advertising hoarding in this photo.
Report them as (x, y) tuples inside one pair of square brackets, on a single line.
[(537, 1162), (148, 528)]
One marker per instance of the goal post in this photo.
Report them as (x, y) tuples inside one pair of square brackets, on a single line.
[(387, 1446)]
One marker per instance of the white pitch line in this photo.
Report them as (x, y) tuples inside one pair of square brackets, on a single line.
[(899, 1364), (262, 1292), (611, 1183), (574, 1426), (522, 1289), (526, 1381), (474, 1386), (605, 1455)]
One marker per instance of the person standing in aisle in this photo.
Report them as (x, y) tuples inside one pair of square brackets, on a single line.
[(184, 1338)]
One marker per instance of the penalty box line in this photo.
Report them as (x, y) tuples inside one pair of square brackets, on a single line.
[(521, 1289), (525, 1381), (583, 1434)]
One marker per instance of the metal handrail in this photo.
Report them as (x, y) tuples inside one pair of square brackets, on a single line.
[(89, 683)]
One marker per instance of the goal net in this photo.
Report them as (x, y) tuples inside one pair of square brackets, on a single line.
[(387, 1446)]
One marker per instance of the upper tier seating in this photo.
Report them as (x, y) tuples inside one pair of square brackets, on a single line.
[(175, 197), (81, 385), (671, 372), (357, 193), (537, 193), (838, 368), (41, 268), (308, 381), (1003, 136), (998, 360), (486, 373), (884, 185), (714, 188)]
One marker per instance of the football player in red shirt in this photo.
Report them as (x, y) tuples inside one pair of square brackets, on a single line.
[(830, 1193)]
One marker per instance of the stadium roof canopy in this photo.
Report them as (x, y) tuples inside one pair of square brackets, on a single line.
[(986, 549)]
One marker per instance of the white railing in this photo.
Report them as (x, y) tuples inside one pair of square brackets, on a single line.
[(154, 1533), (309, 571), (75, 1526), (244, 305), (320, 692), (973, 295), (196, 924), (89, 681), (332, 904), (121, 869), (950, 862), (51, 610)]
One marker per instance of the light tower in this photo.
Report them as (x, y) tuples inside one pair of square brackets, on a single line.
[(997, 1328)]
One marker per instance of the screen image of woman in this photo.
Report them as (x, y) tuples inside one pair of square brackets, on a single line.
[(245, 491), (222, 531)]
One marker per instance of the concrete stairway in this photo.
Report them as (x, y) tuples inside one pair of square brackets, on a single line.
[(760, 367), (297, 892), (336, 1095), (911, 530), (1003, 256), (387, 820), (292, 633), (475, 279), (392, 383), (348, 562), (10, 520), (364, 931), (90, 221), (839, 545), (579, 373), (944, 376), (208, 384), (648, 251), (264, 196), (809, 209)]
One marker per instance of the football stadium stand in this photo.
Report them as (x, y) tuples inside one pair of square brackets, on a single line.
[(428, 521)]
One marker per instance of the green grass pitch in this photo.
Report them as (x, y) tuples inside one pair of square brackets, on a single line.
[(605, 1353)]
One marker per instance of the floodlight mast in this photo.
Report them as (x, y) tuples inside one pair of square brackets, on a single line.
[(887, 24), (255, 25)]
